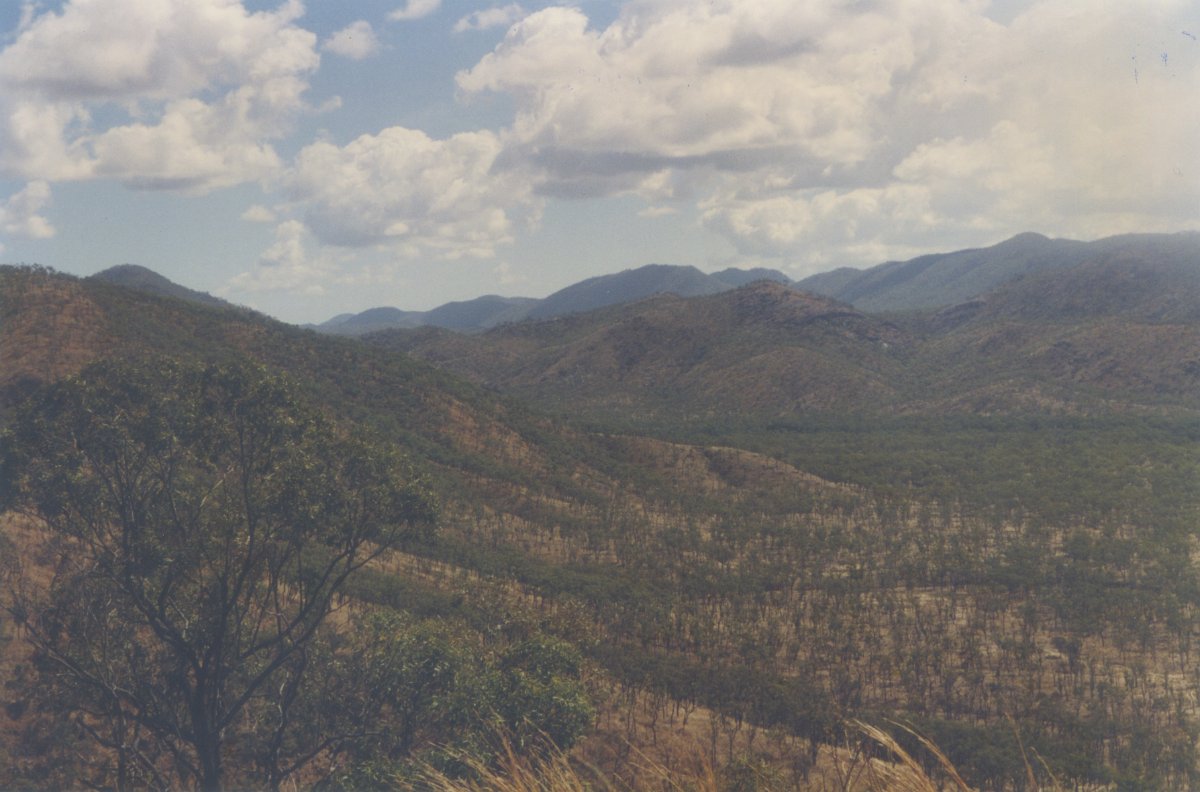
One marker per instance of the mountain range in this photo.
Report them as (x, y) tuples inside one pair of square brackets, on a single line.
[(930, 281), (1030, 323), (1112, 325), (491, 310)]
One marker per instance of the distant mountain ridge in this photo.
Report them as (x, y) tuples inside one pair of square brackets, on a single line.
[(932, 281), (465, 316), (941, 281), (1105, 326), (944, 279), (618, 288)]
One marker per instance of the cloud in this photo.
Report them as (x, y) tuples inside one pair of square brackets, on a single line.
[(192, 146), (20, 214), (415, 9), (412, 193), (504, 274), (258, 214), (691, 83), (34, 140), (489, 18), (286, 266), (191, 92), (862, 127), (28, 10), (356, 41)]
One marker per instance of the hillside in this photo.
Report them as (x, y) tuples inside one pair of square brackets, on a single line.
[(749, 580), (1118, 331), (54, 325), (761, 349)]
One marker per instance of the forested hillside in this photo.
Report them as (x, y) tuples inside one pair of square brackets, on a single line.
[(724, 527)]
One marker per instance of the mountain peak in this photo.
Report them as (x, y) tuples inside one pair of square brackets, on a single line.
[(628, 286), (1026, 238), (740, 277), (942, 279), (143, 279)]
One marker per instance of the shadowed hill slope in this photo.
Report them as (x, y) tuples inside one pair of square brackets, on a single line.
[(486, 450), (764, 348)]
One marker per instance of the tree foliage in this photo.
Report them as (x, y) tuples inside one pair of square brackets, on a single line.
[(199, 524), (427, 693)]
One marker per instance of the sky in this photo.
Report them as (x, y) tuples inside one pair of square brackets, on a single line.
[(310, 159)]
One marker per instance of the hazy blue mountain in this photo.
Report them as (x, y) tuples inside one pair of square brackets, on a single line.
[(948, 279), (930, 282), (369, 321), (491, 310), (467, 316), (1151, 278), (133, 276), (739, 277), (943, 279), (831, 282), (628, 286), (480, 313)]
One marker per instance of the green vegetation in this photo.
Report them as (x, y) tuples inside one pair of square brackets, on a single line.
[(201, 522), (183, 505), (1053, 468)]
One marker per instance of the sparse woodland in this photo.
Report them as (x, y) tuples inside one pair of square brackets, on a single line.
[(720, 598)]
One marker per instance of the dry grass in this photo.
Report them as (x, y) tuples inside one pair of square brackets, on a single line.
[(854, 770), (904, 773)]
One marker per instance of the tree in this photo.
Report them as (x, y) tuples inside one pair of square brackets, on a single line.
[(539, 694), (199, 522)]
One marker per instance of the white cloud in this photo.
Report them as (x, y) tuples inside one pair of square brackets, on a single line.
[(489, 18), (40, 140), (191, 91), (863, 128), (507, 277), (680, 81), (356, 41), (415, 9), (286, 266), (258, 214), (192, 146), (658, 211), (414, 194), (288, 250), (20, 214)]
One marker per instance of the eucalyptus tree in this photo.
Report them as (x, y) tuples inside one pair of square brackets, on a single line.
[(199, 522)]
